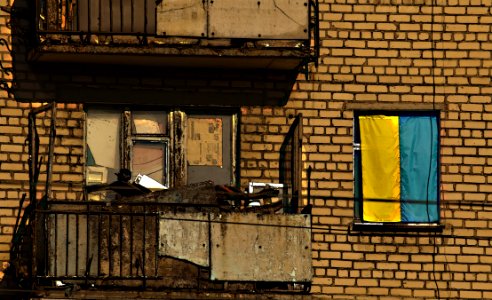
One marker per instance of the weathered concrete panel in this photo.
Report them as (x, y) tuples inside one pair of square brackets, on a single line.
[(182, 18), (261, 247), (185, 236), (272, 19)]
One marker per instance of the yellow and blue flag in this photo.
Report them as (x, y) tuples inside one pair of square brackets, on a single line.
[(399, 165)]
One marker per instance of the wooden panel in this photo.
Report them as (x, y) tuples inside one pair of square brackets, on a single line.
[(182, 18), (272, 19)]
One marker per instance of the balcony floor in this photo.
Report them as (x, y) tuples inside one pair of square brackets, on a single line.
[(174, 52)]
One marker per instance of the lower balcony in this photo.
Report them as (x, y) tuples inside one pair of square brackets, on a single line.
[(145, 247)]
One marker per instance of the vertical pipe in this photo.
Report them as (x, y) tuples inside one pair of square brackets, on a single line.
[(121, 245), (66, 244), (89, 19), (121, 16), (144, 248), (131, 241), (145, 19), (55, 229), (110, 253), (99, 232), (77, 14), (51, 151), (77, 226), (111, 16), (88, 260), (309, 170), (132, 25), (156, 252)]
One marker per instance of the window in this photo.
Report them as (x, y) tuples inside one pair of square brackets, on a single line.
[(173, 148), (134, 140), (396, 161)]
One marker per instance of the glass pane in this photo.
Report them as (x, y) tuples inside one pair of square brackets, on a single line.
[(149, 158), (149, 122)]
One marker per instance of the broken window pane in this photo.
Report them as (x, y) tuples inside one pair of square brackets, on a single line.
[(150, 158), (149, 122)]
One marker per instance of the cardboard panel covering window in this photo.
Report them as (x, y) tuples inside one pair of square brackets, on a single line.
[(209, 148), (396, 170), (103, 148)]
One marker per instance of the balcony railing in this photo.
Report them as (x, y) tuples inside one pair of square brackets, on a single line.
[(163, 245), (97, 16), (247, 19)]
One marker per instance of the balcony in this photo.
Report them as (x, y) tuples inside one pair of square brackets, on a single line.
[(237, 34)]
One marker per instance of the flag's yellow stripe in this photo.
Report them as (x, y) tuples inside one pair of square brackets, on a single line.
[(380, 153)]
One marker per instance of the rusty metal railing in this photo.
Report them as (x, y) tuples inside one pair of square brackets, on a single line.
[(97, 16), (93, 241)]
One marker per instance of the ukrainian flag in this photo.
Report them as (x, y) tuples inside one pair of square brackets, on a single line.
[(399, 164)]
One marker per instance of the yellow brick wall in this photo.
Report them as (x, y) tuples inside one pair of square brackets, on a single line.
[(393, 54), (388, 54)]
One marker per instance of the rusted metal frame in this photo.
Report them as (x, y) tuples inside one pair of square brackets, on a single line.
[(55, 267), (131, 242), (88, 259), (76, 14), (99, 17), (52, 15), (96, 213), (122, 14), (77, 236), (40, 11), (89, 19), (132, 25), (145, 18), (67, 232), (51, 151), (33, 158), (298, 161), (144, 229), (39, 232), (314, 29), (111, 15), (144, 203), (156, 252), (178, 146), (126, 140), (110, 252), (99, 233), (234, 147), (121, 244), (78, 277)]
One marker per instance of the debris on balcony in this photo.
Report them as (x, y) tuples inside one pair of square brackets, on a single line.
[(227, 198)]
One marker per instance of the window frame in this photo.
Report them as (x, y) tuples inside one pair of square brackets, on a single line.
[(127, 137), (359, 224), (131, 136)]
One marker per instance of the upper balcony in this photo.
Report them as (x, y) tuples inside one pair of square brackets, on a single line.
[(241, 34)]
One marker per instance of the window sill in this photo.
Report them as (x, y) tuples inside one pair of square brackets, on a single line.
[(396, 227)]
